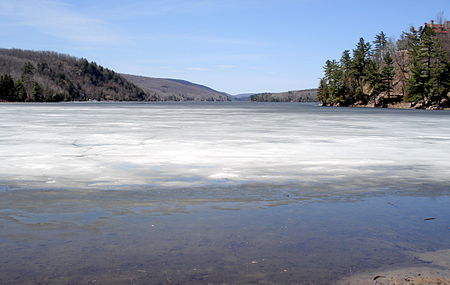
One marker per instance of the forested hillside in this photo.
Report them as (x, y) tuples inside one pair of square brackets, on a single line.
[(175, 89), (411, 72), (37, 76), (42, 76), (307, 95)]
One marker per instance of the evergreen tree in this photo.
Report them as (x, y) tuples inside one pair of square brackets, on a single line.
[(387, 74), (422, 69), (380, 77), (416, 83), (335, 84), (380, 47), (7, 89), (444, 82), (37, 92), (346, 60), (408, 39), (428, 83), (322, 93), (360, 68), (347, 79), (28, 69), (21, 93)]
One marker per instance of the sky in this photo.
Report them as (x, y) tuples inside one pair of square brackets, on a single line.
[(235, 46)]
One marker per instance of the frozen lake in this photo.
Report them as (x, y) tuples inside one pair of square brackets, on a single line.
[(220, 193)]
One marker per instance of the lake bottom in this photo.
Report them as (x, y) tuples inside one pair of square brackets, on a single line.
[(220, 243)]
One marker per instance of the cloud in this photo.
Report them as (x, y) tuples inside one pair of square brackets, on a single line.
[(160, 8), (58, 19)]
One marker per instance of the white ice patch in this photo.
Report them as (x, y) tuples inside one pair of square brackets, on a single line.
[(189, 144), (223, 175)]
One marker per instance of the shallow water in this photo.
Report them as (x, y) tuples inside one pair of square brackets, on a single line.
[(166, 193)]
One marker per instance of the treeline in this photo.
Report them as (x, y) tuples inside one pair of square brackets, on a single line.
[(308, 95), (415, 70), (25, 89), (31, 76)]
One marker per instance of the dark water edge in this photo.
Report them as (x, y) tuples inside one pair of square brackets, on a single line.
[(315, 242)]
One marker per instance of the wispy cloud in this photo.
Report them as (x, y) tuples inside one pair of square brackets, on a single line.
[(160, 8), (58, 19)]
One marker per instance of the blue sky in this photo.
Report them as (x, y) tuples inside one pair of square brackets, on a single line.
[(230, 45)]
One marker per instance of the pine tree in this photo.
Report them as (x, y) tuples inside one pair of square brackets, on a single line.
[(360, 67), (27, 69), (20, 91), (428, 83), (7, 89), (422, 66), (417, 81), (347, 78), (387, 74), (334, 79), (322, 93), (380, 47), (408, 39), (37, 92)]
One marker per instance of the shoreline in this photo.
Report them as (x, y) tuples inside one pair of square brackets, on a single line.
[(317, 104), (435, 272), (403, 106)]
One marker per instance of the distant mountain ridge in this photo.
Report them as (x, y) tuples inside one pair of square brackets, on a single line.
[(306, 95), (176, 89), (242, 97)]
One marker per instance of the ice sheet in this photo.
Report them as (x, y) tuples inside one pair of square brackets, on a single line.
[(221, 145)]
